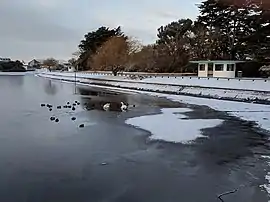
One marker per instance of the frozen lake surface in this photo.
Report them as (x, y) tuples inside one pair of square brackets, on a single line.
[(159, 150)]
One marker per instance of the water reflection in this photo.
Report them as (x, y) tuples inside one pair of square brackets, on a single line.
[(16, 80), (95, 99), (50, 87)]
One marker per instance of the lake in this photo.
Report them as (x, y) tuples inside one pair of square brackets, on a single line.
[(110, 160)]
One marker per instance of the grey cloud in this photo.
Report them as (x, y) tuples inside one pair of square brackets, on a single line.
[(145, 36), (30, 31), (28, 24), (164, 14), (28, 50)]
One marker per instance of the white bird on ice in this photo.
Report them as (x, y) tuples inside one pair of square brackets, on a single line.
[(123, 107), (107, 106)]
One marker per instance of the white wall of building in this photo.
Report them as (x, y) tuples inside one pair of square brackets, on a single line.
[(71, 69), (219, 69), (224, 73), (203, 73)]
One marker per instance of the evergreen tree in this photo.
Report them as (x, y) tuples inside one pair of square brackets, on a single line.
[(92, 41), (172, 46), (241, 29), (258, 43)]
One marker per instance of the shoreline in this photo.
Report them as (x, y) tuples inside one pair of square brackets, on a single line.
[(227, 94)]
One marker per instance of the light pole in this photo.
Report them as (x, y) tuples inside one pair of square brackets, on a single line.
[(75, 77)]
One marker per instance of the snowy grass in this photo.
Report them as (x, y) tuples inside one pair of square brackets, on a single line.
[(248, 84), (171, 126), (232, 83), (190, 90)]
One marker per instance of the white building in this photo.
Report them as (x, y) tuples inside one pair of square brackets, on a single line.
[(67, 66), (217, 68), (71, 68), (34, 63)]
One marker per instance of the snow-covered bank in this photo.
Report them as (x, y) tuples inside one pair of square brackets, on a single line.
[(171, 125), (246, 95), (256, 84), (241, 84)]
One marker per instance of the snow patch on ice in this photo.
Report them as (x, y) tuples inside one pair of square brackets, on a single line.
[(171, 126), (246, 111)]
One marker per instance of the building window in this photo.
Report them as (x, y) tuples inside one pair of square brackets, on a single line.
[(219, 67), (210, 67), (230, 67), (202, 67)]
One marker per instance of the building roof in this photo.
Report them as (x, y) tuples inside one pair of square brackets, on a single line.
[(34, 60), (217, 61)]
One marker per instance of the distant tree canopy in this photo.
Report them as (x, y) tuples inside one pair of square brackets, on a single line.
[(224, 29), (72, 61), (11, 66)]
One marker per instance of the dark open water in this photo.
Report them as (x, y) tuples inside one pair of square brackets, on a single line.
[(58, 162)]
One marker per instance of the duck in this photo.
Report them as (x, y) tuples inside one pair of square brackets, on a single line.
[(123, 106), (107, 106)]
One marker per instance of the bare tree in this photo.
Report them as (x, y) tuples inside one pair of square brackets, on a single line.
[(72, 61), (112, 55), (134, 45), (76, 54), (50, 63), (143, 60)]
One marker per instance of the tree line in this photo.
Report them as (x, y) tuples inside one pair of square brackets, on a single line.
[(223, 30)]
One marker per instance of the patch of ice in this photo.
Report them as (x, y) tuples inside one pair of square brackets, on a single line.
[(171, 127)]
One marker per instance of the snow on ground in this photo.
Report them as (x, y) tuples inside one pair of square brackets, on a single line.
[(250, 84), (171, 125), (210, 92), (217, 93), (243, 83)]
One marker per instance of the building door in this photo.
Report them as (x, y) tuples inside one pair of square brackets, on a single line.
[(210, 70)]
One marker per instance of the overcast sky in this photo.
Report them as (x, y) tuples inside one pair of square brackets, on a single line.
[(53, 28)]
